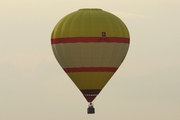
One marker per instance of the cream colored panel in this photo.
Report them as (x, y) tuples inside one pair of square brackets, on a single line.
[(86, 54), (71, 55), (59, 54), (76, 56), (97, 49), (66, 54), (119, 53), (106, 54)]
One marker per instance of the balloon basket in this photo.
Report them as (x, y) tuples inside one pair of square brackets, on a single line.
[(91, 109)]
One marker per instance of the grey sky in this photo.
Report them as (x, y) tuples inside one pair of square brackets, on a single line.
[(33, 86)]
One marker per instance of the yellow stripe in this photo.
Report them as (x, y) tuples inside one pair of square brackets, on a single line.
[(90, 80)]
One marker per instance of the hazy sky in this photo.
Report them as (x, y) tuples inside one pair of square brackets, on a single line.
[(34, 87)]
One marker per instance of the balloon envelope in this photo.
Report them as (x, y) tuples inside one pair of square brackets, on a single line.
[(90, 45)]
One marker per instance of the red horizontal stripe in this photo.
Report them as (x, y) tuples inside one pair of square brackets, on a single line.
[(90, 39), (91, 69)]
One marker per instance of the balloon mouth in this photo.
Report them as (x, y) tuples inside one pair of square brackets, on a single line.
[(90, 94), (97, 9)]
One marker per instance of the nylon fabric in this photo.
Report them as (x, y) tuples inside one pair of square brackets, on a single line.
[(90, 45), (90, 54), (90, 80), (90, 23)]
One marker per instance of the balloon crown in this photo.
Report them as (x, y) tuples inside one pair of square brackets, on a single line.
[(91, 9)]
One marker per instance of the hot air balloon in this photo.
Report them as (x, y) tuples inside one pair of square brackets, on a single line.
[(90, 45)]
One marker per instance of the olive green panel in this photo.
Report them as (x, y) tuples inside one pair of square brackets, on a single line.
[(90, 80), (90, 23)]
